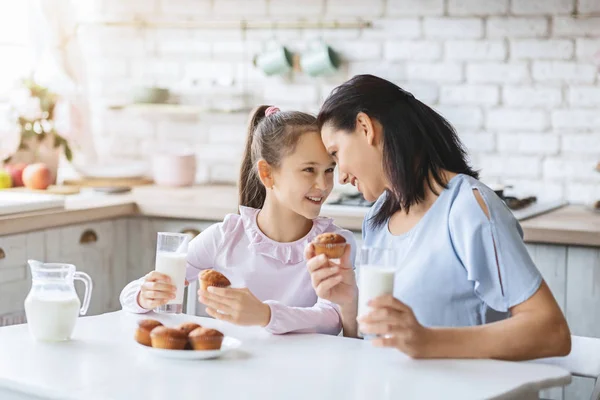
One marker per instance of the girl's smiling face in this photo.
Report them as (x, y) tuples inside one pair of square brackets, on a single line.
[(304, 179)]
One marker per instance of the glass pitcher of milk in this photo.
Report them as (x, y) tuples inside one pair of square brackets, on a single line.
[(52, 305)]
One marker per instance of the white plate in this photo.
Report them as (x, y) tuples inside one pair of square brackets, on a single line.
[(228, 344)]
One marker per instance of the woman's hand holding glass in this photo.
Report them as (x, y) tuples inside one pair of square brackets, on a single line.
[(396, 326)]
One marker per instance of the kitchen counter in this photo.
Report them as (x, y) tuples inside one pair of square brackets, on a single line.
[(572, 225)]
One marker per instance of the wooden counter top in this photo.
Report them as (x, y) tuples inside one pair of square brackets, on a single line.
[(573, 225)]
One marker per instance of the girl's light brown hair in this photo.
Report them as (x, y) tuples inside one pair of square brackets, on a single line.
[(270, 138)]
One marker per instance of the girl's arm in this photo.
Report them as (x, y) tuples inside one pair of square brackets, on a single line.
[(201, 253), (129, 297), (323, 317)]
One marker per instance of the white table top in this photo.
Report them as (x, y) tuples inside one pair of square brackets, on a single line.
[(103, 362)]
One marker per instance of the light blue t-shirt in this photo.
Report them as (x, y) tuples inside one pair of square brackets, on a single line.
[(447, 269)]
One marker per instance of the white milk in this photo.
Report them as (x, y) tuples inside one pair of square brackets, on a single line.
[(51, 318), (173, 264), (373, 281)]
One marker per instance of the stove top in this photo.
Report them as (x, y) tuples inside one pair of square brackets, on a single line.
[(352, 199), (357, 200), (524, 208)]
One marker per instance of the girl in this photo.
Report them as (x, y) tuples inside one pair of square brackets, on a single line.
[(465, 286), (286, 175)]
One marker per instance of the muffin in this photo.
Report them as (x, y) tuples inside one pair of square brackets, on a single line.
[(168, 338), (188, 327), (210, 277), (330, 244), (205, 339), (142, 333)]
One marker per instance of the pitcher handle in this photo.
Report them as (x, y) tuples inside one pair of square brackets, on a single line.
[(87, 281)]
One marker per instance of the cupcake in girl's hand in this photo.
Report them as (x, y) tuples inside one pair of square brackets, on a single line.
[(210, 277), (142, 333), (330, 244)]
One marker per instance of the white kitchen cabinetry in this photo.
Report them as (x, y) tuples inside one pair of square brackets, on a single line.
[(573, 275), (98, 249), (15, 277)]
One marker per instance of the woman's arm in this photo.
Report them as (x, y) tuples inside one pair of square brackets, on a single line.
[(536, 329)]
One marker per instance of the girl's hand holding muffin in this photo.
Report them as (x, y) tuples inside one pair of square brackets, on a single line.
[(238, 306)]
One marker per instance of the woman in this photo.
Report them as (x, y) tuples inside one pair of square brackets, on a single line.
[(466, 286)]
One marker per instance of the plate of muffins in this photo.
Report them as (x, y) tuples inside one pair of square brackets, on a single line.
[(187, 341)]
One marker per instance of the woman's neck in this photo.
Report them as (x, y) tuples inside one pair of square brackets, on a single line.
[(281, 224), (431, 195)]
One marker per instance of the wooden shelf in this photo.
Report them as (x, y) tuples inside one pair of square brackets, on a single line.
[(174, 109)]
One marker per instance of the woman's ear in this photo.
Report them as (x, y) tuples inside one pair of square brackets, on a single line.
[(265, 173), (366, 127)]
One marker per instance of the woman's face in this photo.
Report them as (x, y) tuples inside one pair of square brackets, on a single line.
[(358, 155)]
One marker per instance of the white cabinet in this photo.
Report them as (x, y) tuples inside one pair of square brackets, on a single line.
[(98, 249), (15, 278)]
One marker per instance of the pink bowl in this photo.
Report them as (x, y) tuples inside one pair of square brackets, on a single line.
[(174, 169)]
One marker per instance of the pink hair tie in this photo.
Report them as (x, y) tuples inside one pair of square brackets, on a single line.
[(271, 110)]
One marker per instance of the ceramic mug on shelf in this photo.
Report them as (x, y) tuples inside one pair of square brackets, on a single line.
[(319, 60), (275, 59)]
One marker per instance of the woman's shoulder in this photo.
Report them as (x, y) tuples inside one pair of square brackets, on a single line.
[(474, 201)]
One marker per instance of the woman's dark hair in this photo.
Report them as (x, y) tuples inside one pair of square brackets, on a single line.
[(269, 138), (418, 143)]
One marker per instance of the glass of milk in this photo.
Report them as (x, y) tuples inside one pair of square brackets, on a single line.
[(171, 253), (377, 268), (52, 305)]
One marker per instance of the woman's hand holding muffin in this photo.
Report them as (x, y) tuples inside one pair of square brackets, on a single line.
[(332, 281), (238, 306)]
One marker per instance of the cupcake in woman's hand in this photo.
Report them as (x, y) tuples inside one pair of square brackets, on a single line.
[(145, 327), (330, 244), (168, 338), (206, 339), (210, 277)]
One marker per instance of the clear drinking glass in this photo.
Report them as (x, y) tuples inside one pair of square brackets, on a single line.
[(376, 273), (171, 253)]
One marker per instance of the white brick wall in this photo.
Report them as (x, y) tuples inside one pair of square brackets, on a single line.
[(518, 78)]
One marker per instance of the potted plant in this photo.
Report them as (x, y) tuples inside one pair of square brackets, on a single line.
[(34, 110)]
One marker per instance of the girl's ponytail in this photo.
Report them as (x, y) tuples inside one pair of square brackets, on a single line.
[(252, 193)]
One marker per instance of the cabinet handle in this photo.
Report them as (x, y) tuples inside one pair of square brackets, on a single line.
[(2, 254), (88, 236), (191, 232)]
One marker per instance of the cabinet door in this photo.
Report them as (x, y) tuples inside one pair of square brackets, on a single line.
[(551, 260), (90, 247), (15, 277)]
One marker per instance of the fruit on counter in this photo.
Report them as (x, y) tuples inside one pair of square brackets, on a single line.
[(37, 176), (5, 179), (16, 173)]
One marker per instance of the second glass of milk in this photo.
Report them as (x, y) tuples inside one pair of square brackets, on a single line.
[(171, 253), (377, 269)]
